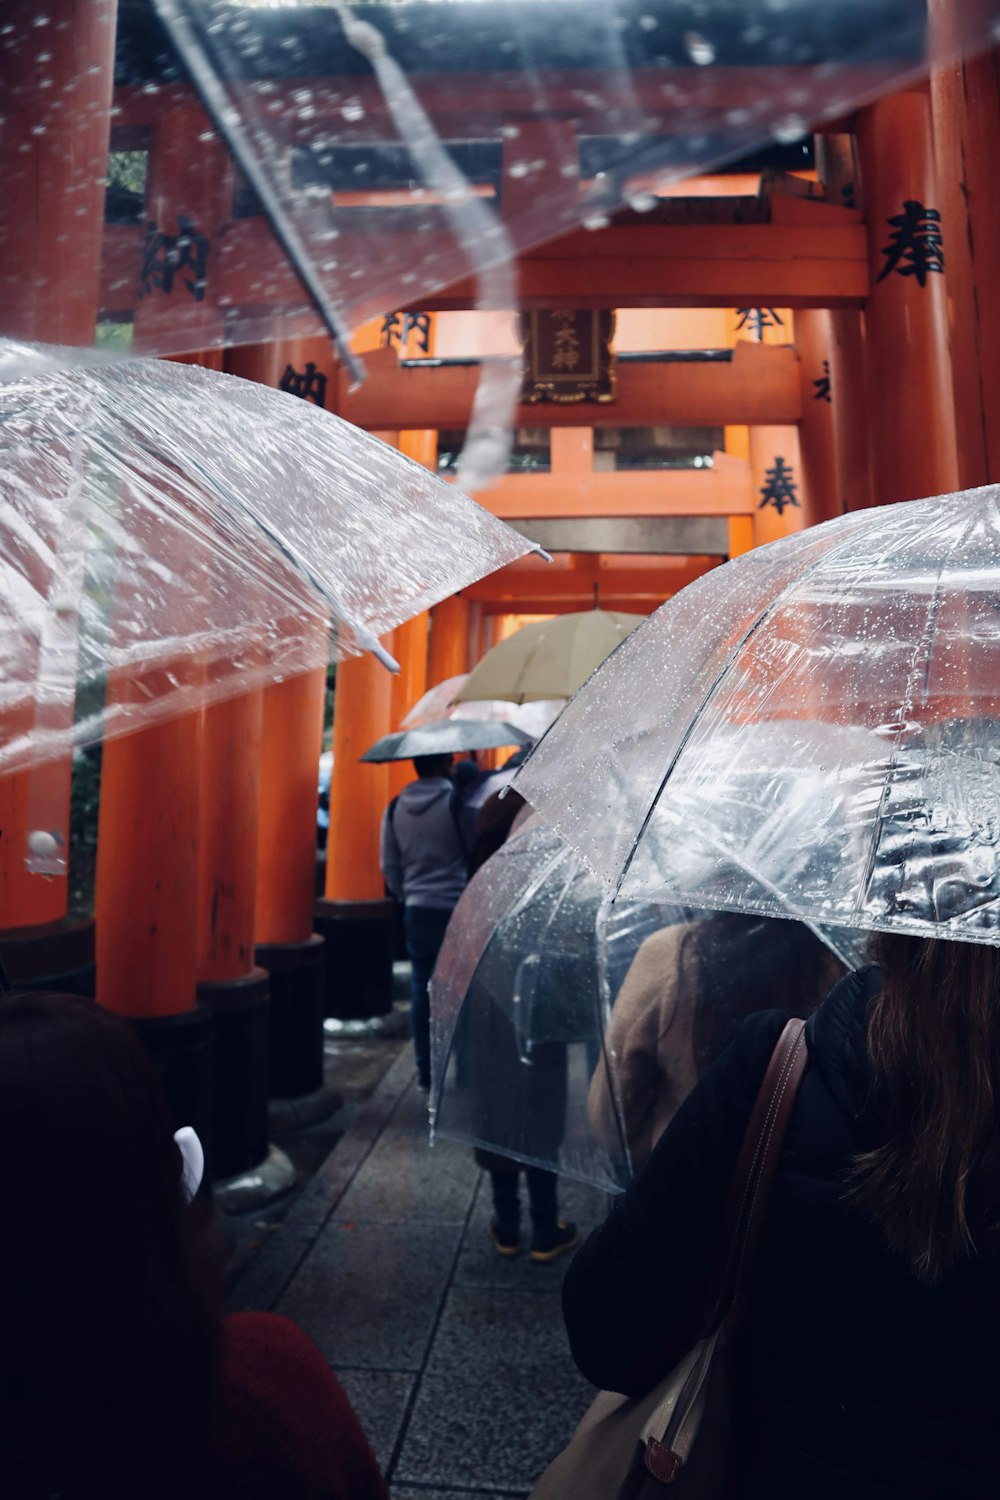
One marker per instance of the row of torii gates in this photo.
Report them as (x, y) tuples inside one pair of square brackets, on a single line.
[(876, 379)]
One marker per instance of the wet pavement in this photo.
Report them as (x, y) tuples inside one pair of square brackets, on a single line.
[(455, 1359)]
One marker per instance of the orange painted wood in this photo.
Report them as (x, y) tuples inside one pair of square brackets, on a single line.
[(910, 405), (767, 444), (448, 646), (291, 740), (821, 494), (56, 83), (409, 640), (146, 902), (740, 535), (966, 104), (651, 265), (227, 838), (267, 363), (760, 385), (358, 793), (532, 581), (724, 490)]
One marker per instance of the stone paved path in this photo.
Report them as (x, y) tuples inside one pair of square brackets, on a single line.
[(455, 1359)]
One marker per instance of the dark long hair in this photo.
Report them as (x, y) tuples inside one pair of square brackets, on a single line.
[(933, 1183), (111, 1325), (746, 964)]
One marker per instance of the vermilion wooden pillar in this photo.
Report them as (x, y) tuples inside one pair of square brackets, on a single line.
[(911, 412), (409, 641), (56, 77), (287, 946), (355, 916), (229, 981), (813, 337), (778, 484), (966, 105), (448, 648)]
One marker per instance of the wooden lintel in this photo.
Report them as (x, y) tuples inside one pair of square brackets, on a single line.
[(760, 386), (519, 588), (724, 490)]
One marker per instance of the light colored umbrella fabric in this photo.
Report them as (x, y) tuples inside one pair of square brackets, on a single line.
[(548, 659), (859, 660), (447, 737), (565, 1030), (189, 535), (439, 703)]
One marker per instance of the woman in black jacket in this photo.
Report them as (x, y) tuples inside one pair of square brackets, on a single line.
[(870, 1348)]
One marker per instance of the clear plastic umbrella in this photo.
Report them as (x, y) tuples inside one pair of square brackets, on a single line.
[(169, 536), (858, 660), (446, 737), (565, 1030)]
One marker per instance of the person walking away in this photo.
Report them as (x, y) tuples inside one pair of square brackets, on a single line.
[(425, 865), (868, 1338)]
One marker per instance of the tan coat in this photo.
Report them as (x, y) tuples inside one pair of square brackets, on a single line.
[(650, 1043)]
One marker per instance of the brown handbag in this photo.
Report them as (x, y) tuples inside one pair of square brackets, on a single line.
[(632, 1448)]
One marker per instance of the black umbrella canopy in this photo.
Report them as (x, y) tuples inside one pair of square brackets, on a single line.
[(446, 737)]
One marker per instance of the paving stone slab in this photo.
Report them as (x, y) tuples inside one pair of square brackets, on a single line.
[(409, 1493), (479, 1265), (499, 1397), (368, 1293), (380, 1399), (283, 1247), (405, 1179)]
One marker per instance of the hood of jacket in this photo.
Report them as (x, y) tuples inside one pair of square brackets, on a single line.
[(419, 796)]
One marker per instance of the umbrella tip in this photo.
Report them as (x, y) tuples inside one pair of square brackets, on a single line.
[(369, 642), (545, 556)]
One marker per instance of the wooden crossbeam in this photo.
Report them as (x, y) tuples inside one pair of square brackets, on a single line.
[(532, 586), (759, 386), (724, 490)]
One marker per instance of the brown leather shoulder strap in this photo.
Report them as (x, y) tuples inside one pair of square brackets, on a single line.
[(756, 1167)]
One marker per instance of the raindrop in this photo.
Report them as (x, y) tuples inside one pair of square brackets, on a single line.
[(789, 130), (596, 221), (699, 48), (519, 169), (511, 132), (642, 202), (42, 20), (648, 23), (353, 110)]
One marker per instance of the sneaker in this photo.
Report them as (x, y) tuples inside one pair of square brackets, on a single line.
[(552, 1243), (505, 1241)]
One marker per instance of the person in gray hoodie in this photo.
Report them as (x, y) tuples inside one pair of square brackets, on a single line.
[(425, 864)]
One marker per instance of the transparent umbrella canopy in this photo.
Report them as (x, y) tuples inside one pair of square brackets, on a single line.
[(445, 737), (169, 536), (566, 1030), (863, 654)]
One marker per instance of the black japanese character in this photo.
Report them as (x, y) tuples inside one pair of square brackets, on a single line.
[(397, 327), (309, 384), (757, 319), (165, 256), (823, 388), (780, 487), (915, 246)]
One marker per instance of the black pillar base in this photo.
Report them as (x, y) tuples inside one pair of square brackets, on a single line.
[(360, 939), (182, 1047), (55, 956), (241, 1012), (296, 1029)]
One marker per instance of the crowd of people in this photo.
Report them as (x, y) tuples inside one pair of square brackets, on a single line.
[(866, 1351)]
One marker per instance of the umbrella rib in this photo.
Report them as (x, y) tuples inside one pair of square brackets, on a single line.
[(769, 609)]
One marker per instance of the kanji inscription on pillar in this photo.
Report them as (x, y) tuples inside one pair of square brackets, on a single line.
[(822, 388), (399, 328), (780, 487), (568, 356), (757, 319), (915, 245), (309, 384), (167, 256)]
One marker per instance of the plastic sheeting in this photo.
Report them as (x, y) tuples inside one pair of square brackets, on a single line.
[(828, 707), (387, 151), (565, 1031), (169, 536)]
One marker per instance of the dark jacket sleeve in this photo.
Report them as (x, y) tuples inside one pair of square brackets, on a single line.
[(633, 1297)]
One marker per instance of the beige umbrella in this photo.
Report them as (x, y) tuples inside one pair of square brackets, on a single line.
[(550, 659)]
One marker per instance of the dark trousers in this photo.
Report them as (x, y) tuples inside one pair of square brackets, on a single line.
[(542, 1200), (425, 927)]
